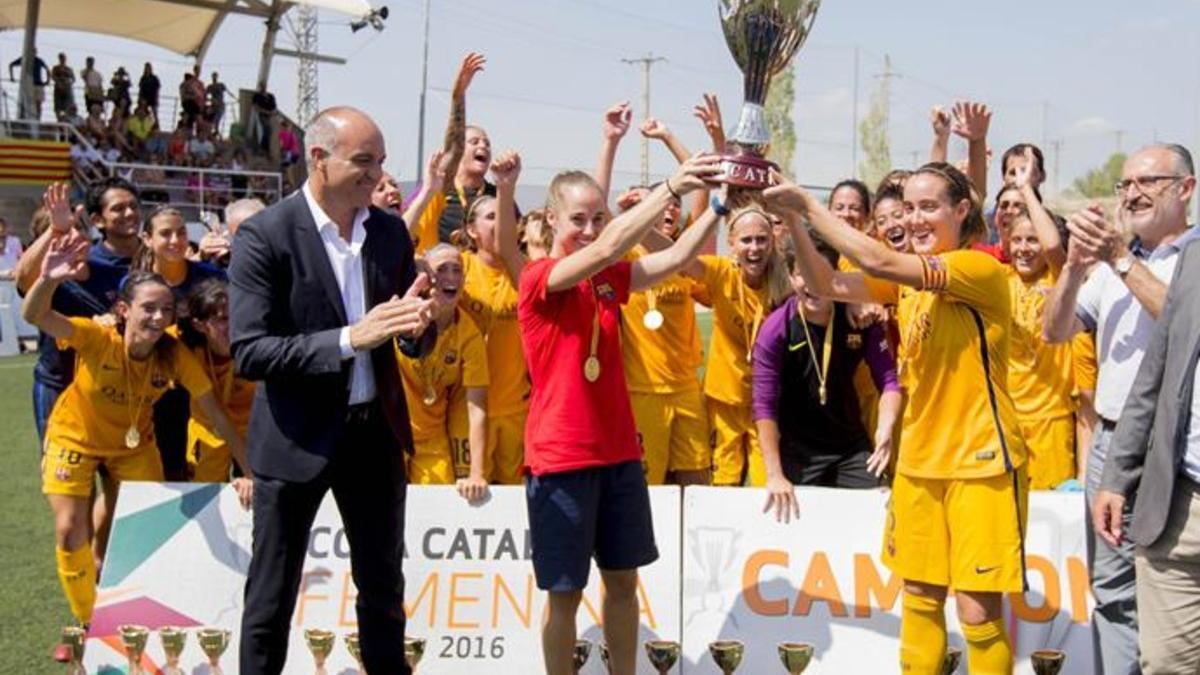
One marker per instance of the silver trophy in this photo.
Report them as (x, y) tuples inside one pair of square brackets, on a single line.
[(763, 35)]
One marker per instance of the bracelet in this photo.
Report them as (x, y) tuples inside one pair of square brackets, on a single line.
[(717, 207), (671, 190)]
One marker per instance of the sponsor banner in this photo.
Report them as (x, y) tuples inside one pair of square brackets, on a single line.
[(179, 553), (819, 580)]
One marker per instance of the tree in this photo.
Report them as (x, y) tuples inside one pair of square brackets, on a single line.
[(1099, 181), (873, 131), (781, 99)]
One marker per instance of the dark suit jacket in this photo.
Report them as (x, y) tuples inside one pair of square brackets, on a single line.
[(285, 315), (1147, 449)]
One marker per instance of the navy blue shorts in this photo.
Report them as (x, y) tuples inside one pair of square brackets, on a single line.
[(602, 512), (44, 397)]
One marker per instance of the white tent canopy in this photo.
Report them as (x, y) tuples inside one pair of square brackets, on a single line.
[(182, 26)]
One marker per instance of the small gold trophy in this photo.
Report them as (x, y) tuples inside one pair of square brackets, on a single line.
[(75, 638), (795, 656), (213, 642), (583, 651), (662, 654), (173, 639), (320, 643), (134, 638), (355, 650), (1047, 661), (951, 660), (604, 658), (414, 649), (727, 654)]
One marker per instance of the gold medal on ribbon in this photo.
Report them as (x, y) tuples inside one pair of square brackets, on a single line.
[(652, 320), (430, 396), (132, 438), (591, 369)]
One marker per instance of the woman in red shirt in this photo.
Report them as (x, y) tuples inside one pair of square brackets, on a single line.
[(585, 491)]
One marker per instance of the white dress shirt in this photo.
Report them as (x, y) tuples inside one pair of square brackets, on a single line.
[(1122, 325), (346, 260), (1191, 457)]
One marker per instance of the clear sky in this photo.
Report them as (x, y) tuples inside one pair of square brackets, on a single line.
[(1089, 75)]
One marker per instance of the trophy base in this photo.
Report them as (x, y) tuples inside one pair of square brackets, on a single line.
[(746, 170)]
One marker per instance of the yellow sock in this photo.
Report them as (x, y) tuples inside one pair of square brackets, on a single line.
[(922, 635), (77, 574), (988, 649)]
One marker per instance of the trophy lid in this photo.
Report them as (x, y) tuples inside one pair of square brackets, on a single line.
[(765, 34)]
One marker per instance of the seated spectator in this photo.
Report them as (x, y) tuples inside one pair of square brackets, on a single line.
[(239, 182), (72, 117), (177, 148), (140, 126), (85, 156), (109, 152), (289, 144), (117, 132), (201, 147), (95, 126), (152, 181)]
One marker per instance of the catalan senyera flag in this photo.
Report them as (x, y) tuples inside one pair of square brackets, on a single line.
[(25, 162)]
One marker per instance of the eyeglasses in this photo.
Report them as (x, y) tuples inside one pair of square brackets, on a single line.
[(1145, 184)]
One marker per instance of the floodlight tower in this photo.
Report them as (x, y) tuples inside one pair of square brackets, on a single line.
[(304, 30)]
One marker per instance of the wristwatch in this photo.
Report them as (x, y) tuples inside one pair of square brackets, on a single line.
[(1123, 264)]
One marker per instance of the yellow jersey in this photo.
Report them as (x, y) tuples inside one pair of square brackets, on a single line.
[(738, 311), (1040, 377), (234, 394), (458, 359), (664, 360), (427, 223), (959, 421), (490, 299), (112, 393)]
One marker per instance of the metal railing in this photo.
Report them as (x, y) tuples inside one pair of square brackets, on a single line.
[(195, 191), (169, 107)]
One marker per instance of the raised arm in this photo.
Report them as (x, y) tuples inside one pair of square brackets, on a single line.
[(652, 128), (65, 259), (1059, 320), (1043, 222), (653, 268), (627, 229), (454, 144), (57, 203), (971, 121), (506, 169), (432, 184), (867, 253), (939, 119), (616, 124)]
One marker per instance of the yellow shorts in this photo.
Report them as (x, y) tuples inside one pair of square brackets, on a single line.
[(504, 461), (966, 534), (73, 473), (207, 463), (673, 431), (734, 442), (431, 462), (1051, 444)]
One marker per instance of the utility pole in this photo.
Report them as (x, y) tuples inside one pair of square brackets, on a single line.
[(424, 88), (1119, 133), (304, 29), (1045, 123), (646, 62), (854, 122), (886, 91)]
